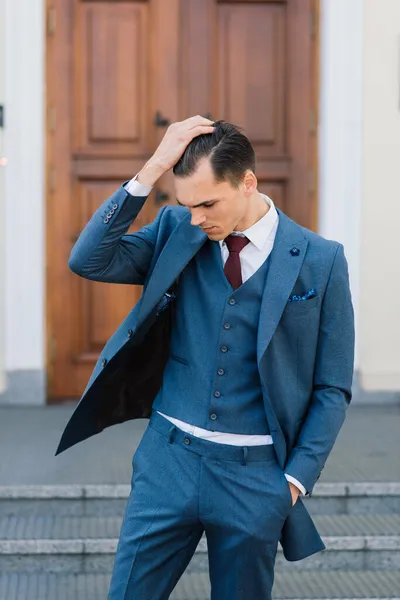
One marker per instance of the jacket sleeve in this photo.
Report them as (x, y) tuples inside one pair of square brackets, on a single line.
[(104, 252), (333, 376)]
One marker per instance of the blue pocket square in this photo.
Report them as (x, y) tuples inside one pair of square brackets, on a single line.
[(310, 294)]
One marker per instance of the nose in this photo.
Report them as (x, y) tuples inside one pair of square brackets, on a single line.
[(197, 221)]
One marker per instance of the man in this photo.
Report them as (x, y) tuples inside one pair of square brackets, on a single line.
[(240, 351)]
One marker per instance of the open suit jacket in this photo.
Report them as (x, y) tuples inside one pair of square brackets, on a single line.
[(305, 348)]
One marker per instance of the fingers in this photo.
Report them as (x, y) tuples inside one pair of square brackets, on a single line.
[(192, 127), (193, 122), (199, 120), (202, 129)]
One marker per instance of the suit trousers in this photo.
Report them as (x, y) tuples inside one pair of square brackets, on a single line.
[(183, 486)]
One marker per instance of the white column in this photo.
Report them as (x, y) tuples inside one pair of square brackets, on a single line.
[(340, 133), (380, 217), (2, 167), (24, 199)]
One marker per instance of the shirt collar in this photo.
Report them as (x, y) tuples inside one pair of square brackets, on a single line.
[(260, 231)]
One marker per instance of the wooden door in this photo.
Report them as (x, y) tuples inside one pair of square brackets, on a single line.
[(117, 73)]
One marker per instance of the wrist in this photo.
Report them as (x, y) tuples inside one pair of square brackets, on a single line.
[(150, 173)]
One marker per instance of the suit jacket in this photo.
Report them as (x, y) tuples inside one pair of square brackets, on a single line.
[(305, 348)]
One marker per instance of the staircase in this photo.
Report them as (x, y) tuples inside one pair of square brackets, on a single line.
[(57, 542)]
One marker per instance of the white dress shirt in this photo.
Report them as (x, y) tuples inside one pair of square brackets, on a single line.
[(262, 236)]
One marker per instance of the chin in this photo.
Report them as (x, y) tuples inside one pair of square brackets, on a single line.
[(215, 235)]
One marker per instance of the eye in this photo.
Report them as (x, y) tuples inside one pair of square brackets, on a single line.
[(209, 205)]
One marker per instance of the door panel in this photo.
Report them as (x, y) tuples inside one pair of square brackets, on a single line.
[(104, 305), (251, 72), (111, 78), (117, 74), (254, 67)]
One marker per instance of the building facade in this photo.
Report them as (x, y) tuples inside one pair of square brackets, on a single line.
[(358, 129)]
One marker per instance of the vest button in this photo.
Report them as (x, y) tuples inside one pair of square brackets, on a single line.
[(221, 371), (186, 440), (227, 325), (224, 348), (232, 301), (217, 394), (213, 416)]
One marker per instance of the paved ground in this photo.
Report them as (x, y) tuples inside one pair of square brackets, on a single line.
[(367, 448)]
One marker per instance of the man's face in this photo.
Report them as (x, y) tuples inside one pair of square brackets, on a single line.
[(224, 206)]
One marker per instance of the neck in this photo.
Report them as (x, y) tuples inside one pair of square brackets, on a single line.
[(257, 208)]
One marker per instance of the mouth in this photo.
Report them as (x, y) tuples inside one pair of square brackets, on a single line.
[(208, 229)]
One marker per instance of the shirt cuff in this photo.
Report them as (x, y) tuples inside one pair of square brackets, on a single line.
[(296, 483), (135, 188)]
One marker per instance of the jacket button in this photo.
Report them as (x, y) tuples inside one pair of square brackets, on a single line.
[(115, 206), (186, 440), (130, 332), (227, 325), (217, 394), (232, 301), (224, 348), (103, 362), (106, 220), (220, 371), (295, 252), (213, 416)]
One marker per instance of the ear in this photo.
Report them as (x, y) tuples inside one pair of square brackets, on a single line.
[(250, 182)]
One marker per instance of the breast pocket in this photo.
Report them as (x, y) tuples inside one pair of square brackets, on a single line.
[(301, 307)]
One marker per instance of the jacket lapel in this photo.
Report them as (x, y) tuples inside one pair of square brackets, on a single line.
[(283, 271), (181, 246)]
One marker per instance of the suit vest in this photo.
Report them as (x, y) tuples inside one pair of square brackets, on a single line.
[(211, 378)]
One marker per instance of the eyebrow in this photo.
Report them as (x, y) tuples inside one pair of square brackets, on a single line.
[(196, 205)]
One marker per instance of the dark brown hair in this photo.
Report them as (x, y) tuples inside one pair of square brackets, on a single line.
[(229, 150)]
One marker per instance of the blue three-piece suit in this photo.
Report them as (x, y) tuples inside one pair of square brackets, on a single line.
[(284, 366)]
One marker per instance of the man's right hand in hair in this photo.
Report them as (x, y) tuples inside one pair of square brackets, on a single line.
[(172, 146)]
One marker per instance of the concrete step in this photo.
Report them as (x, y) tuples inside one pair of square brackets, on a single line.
[(51, 527), (88, 544), (110, 500), (310, 585)]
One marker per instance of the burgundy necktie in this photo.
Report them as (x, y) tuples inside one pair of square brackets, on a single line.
[(232, 268)]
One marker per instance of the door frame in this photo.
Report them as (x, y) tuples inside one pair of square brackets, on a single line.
[(58, 142)]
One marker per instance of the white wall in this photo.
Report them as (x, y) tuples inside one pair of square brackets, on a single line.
[(24, 213), (340, 134), (2, 320), (380, 217), (24, 184)]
